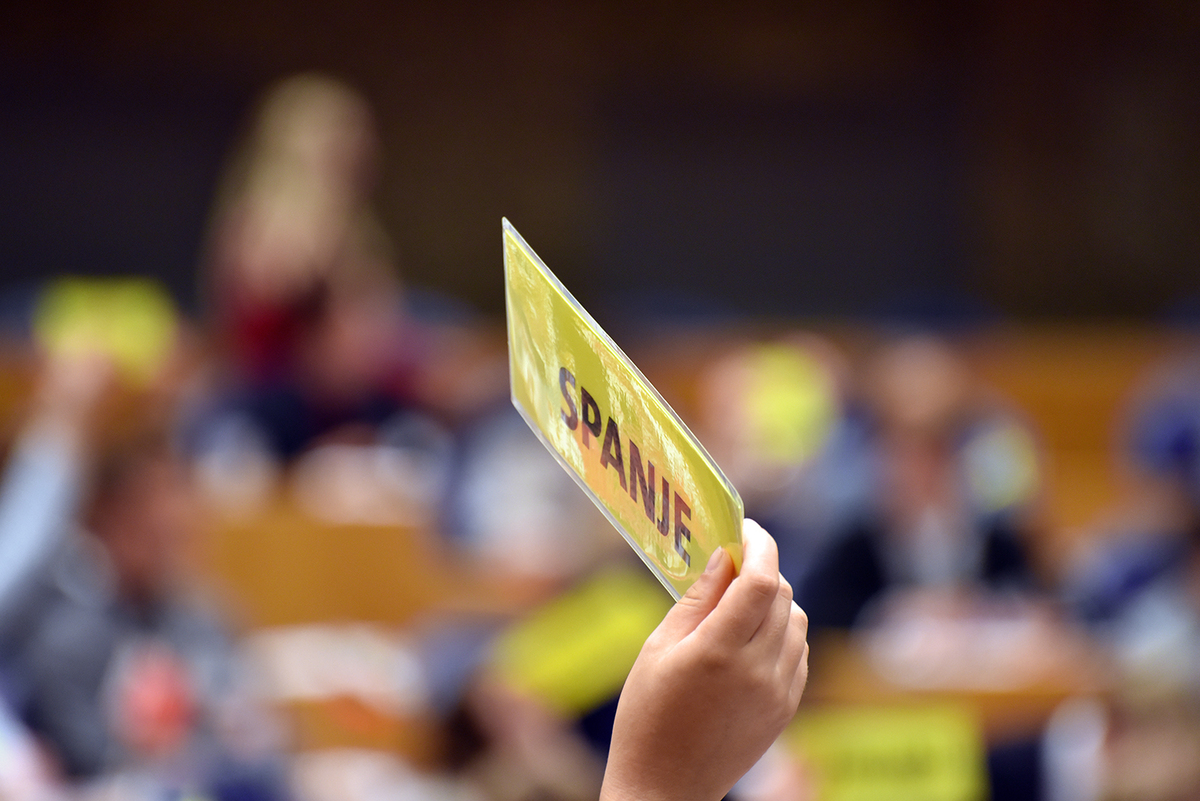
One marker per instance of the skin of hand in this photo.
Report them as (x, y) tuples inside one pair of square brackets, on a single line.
[(714, 685), (72, 389)]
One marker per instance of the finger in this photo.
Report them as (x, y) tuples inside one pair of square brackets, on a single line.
[(748, 600), (772, 632), (799, 680), (793, 659), (700, 599)]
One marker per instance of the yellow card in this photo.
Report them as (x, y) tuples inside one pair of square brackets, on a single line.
[(131, 320), (611, 430), (576, 651), (892, 753)]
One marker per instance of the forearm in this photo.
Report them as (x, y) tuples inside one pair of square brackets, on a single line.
[(38, 495)]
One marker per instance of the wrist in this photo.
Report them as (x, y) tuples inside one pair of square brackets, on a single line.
[(615, 789), (610, 793)]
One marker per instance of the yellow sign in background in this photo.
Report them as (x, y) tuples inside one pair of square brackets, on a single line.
[(574, 653), (892, 753), (130, 320), (611, 429)]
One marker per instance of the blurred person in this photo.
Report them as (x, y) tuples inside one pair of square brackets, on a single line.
[(38, 496), (293, 218), (1150, 611), (321, 356), (129, 668), (1138, 588), (952, 479), (105, 657), (1138, 583), (1150, 537), (769, 408), (307, 307), (94, 340), (776, 416), (937, 561), (103, 346), (40, 491)]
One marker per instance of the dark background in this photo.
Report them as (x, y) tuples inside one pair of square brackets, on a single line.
[(860, 157)]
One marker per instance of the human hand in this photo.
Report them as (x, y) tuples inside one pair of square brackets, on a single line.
[(714, 685), (72, 388)]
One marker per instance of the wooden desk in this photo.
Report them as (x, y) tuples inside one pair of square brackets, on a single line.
[(844, 670), (286, 567)]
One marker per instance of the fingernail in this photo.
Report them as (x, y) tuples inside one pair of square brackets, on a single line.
[(714, 560)]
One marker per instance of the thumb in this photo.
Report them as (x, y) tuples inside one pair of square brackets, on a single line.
[(701, 598)]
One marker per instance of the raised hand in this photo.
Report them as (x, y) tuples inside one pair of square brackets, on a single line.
[(714, 685)]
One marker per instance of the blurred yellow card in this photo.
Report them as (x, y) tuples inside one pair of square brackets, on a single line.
[(130, 320), (611, 430), (576, 651), (892, 753)]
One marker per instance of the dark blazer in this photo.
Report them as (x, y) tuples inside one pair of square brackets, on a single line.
[(850, 572)]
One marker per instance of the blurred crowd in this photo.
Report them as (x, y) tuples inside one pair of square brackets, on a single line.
[(906, 497)]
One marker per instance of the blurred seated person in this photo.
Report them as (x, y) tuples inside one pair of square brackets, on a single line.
[(94, 340), (1149, 541), (127, 668), (308, 308), (775, 418), (952, 478), (293, 221), (39, 492), (1137, 585)]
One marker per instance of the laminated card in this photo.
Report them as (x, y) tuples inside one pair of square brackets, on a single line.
[(611, 430)]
